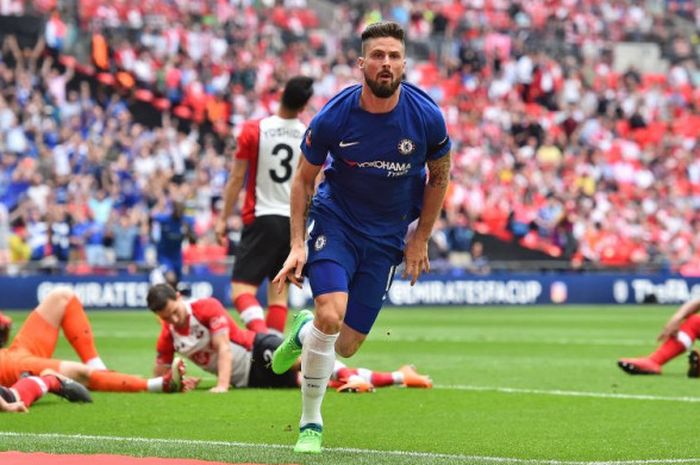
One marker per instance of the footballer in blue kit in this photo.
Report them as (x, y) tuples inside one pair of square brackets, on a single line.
[(372, 189), (174, 228), (387, 155), (376, 178)]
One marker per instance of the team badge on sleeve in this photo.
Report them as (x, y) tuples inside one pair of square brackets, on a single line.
[(406, 146), (308, 137), (320, 242)]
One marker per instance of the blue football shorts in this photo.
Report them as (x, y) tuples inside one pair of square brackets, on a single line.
[(342, 260), (171, 264)]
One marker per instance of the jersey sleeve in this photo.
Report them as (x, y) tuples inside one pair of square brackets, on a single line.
[(165, 347), (439, 143), (160, 217), (247, 140), (316, 142), (213, 315)]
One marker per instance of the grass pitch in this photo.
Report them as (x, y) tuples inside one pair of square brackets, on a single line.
[(513, 385)]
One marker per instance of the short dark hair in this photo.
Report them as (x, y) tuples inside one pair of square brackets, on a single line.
[(383, 29), (159, 295), (297, 92)]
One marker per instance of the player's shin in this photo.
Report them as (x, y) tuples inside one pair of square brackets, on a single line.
[(116, 382), (683, 341), (78, 331), (276, 318), (251, 312), (30, 389), (317, 360)]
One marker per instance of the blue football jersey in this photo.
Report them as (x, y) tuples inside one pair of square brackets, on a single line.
[(173, 232), (376, 174)]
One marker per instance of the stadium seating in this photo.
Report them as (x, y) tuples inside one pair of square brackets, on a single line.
[(556, 149)]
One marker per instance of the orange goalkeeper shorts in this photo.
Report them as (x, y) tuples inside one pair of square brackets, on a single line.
[(30, 351)]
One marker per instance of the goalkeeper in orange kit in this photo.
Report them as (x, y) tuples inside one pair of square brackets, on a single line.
[(31, 351)]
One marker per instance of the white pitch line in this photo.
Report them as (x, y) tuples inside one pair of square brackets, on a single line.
[(499, 340), (441, 339), (558, 392), (398, 453)]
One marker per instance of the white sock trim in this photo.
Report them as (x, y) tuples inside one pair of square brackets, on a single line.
[(96, 363), (155, 384), (254, 312), (365, 374), (684, 339), (275, 332), (41, 383)]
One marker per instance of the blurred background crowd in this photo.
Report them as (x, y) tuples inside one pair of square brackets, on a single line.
[(574, 124)]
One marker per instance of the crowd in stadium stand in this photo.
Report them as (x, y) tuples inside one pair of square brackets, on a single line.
[(553, 149)]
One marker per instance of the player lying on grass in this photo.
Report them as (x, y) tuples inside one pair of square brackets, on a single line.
[(5, 329), (203, 331), (21, 395), (676, 337), (34, 345)]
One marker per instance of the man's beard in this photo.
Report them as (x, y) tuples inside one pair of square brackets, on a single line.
[(382, 90)]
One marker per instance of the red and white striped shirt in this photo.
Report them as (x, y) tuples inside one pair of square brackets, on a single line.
[(207, 317), (272, 148)]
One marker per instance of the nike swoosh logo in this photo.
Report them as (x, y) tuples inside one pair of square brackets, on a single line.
[(343, 144)]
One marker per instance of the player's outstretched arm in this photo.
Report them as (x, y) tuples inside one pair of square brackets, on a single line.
[(220, 343), (303, 188), (674, 323), (416, 251)]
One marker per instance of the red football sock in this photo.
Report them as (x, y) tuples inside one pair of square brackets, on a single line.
[(29, 390), (377, 378), (251, 312), (673, 347), (116, 382), (276, 317), (344, 374), (668, 350), (51, 382), (380, 379), (691, 326), (78, 331)]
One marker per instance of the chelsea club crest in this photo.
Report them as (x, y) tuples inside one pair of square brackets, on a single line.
[(320, 242), (406, 147)]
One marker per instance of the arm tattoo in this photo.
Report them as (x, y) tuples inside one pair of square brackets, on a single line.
[(307, 207), (439, 171)]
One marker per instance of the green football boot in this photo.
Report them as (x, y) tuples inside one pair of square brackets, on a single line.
[(310, 439), (289, 351)]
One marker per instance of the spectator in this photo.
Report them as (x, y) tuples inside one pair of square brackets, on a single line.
[(20, 251), (478, 264), (4, 236), (173, 229), (59, 232), (100, 206), (124, 230)]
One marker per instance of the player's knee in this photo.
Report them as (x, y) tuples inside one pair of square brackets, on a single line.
[(328, 322), (76, 371), (59, 297), (330, 310)]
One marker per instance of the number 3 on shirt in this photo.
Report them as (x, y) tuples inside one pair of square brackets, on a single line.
[(285, 163)]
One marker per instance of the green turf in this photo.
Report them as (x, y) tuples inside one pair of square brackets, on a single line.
[(513, 385)]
